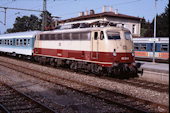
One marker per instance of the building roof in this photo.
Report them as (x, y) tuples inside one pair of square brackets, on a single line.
[(104, 14)]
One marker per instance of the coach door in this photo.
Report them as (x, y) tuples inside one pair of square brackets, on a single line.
[(95, 44)]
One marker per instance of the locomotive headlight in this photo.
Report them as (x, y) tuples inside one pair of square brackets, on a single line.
[(114, 52)]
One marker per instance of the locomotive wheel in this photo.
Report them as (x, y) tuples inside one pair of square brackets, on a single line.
[(52, 62), (74, 66), (96, 69)]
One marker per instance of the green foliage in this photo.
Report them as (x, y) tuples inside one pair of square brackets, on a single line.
[(162, 25), (29, 23)]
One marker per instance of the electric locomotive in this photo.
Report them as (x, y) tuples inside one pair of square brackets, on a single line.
[(97, 49)]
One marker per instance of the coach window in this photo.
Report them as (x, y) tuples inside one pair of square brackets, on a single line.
[(0, 41), (25, 42), (66, 36), (143, 47), (28, 42), (21, 42), (101, 35), (136, 46), (85, 36), (11, 42), (75, 36), (17, 42), (164, 47)]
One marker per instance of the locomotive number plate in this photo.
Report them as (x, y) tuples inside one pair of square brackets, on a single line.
[(124, 58)]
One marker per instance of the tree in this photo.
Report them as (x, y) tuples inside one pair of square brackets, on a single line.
[(162, 27), (31, 22), (25, 24)]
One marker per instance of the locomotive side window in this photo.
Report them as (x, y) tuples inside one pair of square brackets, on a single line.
[(47, 37), (41, 37), (85, 36), (75, 36), (0, 41), (101, 35), (164, 47), (113, 35), (58, 36), (143, 47), (52, 37), (66, 36), (95, 35)]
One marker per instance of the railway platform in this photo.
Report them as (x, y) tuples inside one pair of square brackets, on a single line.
[(157, 72)]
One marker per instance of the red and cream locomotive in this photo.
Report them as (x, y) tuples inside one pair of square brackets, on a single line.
[(102, 49)]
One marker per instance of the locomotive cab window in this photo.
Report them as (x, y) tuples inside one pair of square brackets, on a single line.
[(113, 35)]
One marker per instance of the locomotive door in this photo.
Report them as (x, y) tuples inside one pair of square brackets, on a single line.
[(95, 44)]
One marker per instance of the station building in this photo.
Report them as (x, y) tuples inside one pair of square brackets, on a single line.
[(130, 22)]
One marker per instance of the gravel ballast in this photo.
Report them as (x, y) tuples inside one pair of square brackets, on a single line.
[(154, 96)]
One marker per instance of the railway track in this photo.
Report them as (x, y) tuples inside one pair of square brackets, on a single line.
[(125, 101), (14, 101), (142, 83)]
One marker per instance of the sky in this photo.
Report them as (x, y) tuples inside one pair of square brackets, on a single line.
[(70, 8)]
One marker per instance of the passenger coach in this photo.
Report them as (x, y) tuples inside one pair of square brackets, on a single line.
[(144, 48), (21, 43)]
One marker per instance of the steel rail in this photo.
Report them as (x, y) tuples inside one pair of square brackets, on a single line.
[(126, 96), (3, 109), (42, 106)]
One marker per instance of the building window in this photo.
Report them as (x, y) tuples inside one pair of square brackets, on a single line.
[(133, 28)]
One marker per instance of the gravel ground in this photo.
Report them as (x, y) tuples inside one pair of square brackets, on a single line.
[(158, 97), (58, 98)]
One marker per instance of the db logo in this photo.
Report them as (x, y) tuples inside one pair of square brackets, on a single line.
[(59, 44)]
